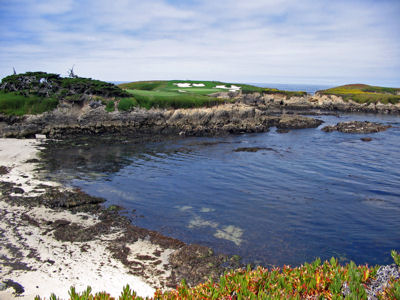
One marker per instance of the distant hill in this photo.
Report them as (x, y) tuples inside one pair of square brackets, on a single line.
[(363, 93)]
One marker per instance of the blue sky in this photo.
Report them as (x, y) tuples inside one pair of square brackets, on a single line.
[(278, 41)]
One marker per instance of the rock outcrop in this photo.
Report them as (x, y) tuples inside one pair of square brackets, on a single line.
[(357, 127), (314, 102), (223, 119)]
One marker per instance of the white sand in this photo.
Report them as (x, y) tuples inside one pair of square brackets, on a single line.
[(13, 154), (56, 265), (183, 84), (232, 88)]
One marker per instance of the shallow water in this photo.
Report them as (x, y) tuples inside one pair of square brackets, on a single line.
[(308, 194)]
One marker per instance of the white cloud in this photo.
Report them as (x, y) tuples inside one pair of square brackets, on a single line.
[(248, 41)]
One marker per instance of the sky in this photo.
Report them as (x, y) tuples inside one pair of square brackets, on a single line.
[(251, 41)]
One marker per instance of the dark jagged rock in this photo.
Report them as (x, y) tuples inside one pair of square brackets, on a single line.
[(18, 289), (3, 170), (366, 139), (55, 198), (357, 127), (253, 149), (196, 263), (297, 122)]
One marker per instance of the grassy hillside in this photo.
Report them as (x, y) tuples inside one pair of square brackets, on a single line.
[(362, 93)]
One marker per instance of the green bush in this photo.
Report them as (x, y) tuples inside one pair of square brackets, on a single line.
[(110, 106), (126, 104)]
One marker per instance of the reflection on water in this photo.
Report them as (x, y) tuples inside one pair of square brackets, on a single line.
[(317, 194)]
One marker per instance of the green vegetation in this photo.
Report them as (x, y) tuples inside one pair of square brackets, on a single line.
[(161, 99), (110, 106), (16, 104), (246, 89), (362, 93), (126, 104), (309, 281), (396, 257)]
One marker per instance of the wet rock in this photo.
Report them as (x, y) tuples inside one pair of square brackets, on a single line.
[(357, 127), (196, 263), (18, 190), (55, 198), (281, 130), (253, 149), (297, 122), (19, 289), (366, 139), (32, 161), (4, 170)]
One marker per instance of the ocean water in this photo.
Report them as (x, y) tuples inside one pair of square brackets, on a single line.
[(309, 88), (308, 194)]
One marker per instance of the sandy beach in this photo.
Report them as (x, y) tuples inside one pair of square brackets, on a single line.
[(33, 258)]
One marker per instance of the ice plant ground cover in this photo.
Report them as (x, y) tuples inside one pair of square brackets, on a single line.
[(327, 280)]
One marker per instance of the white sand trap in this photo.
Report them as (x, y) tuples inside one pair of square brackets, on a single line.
[(183, 84), (198, 84), (232, 88)]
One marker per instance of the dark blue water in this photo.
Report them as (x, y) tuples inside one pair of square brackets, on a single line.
[(310, 194)]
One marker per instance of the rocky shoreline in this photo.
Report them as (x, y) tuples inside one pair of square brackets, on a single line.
[(87, 120), (51, 235)]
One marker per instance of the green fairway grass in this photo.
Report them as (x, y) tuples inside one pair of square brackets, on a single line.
[(172, 99)]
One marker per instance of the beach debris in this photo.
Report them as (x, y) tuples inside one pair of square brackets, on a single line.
[(40, 137)]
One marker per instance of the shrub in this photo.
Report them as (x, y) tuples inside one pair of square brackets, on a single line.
[(110, 106), (126, 104)]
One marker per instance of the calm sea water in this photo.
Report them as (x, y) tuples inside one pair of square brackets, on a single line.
[(309, 88), (308, 194)]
